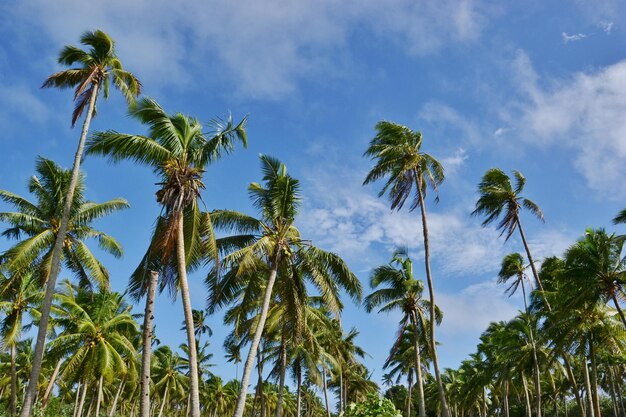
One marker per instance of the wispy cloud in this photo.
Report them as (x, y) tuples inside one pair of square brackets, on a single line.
[(606, 26), (572, 38)]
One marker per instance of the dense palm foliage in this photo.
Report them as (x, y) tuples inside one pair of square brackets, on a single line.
[(282, 297)]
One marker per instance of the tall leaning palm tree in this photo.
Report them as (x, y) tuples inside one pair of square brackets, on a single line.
[(401, 162), (178, 150), (500, 201), (91, 72), (273, 243)]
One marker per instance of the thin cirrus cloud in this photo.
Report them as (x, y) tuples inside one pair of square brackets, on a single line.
[(267, 47)]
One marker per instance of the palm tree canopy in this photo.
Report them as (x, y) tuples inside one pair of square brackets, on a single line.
[(38, 222), (96, 67), (396, 149), (178, 150), (512, 267), (498, 198)]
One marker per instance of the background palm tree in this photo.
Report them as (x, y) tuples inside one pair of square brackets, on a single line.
[(399, 159), (272, 244), (178, 151), (96, 69)]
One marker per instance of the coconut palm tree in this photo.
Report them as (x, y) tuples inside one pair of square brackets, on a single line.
[(168, 375), (21, 296), (401, 162), (499, 200), (91, 72), (403, 292), (273, 243), (178, 151)]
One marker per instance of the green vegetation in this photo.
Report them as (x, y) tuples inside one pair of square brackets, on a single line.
[(283, 296)]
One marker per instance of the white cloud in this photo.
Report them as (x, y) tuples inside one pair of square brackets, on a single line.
[(572, 38), (21, 101), (267, 47), (454, 162), (441, 114), (584, 113), (606, 26)]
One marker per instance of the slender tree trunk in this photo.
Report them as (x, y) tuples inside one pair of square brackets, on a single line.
[(82, 399), (526, 396), (299, 392), (325, 390), (191, 337), (146, 353), (53, 379), (164, 400), (619, 309), (612, 393), (531, 261), (536, 372), (13, 402), (431, 294), (99, 400), (418, 365), (55, 265), (282, 371), (247, 370), (594, 379), (506, 398), (409, 392), (76, 400), (588, 386), (260, 371), (117, 396), (341, 391), (572, 379)]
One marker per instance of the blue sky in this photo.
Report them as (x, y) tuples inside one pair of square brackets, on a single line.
[(538, 86)]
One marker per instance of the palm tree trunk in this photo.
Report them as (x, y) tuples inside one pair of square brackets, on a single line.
[(299, 392), (55, 265), (117, 396), (146, 353), (619, 309), (530, 260), (431, 295), (164, 400), (191, 337), (13, 405), (82, 399), (409, 391), (260, 371), (506, 398), (533, 345), (418, 365), (572, 379), (76, 400), (247, 370), (99, 400), (588, 386), (282, 371), (526, 396), (341, 392), (53, 379), (594, 374), (324, 384)]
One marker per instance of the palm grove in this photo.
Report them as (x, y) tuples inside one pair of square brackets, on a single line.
[(563, 354)]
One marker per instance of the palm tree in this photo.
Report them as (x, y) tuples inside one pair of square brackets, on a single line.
[(274, 244), (404, 293), (96, 69), (21, 297), (498, 198), (399, 160), (146, 346), (167, 374), (178, 151), (513, 267)]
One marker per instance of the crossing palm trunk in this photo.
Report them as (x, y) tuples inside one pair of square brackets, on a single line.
[(431, 295), (82, 399), (194, 393), (76, 400), (53, 379), (164, 400), (526, 396), (117, 396), (418, 365), (55, 264), (247, 370), (146, 353)]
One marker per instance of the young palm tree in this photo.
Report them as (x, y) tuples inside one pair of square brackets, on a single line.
[(95, 69), (499, 200), (399, 159), (178, 151), (404, 293), (272, 243), (168, 376)]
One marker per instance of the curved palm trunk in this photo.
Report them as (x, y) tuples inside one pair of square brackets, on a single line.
[(55, 265), (531, 261), (247, 370), (78, 391), (99, 400), (325, 385), (13, 405), (283, 369), (146, 353), (526, 396), (431, 294), (117, 396), (164, 399), (418, 366), (619, 309), (194, 393), (53, 379)]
